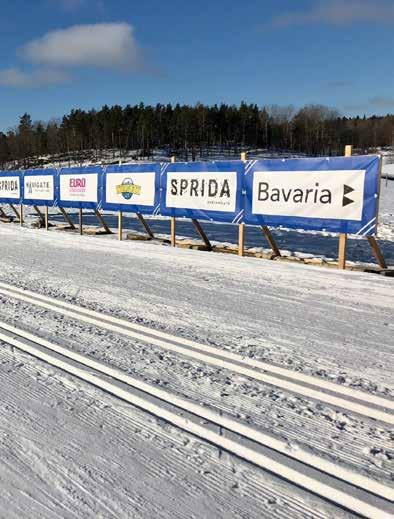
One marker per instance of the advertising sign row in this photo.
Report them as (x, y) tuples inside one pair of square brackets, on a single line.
[(326, 194)]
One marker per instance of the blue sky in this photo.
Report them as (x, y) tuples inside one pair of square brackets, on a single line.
[(60, 54)]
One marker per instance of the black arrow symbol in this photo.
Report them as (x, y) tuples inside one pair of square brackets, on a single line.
[(346, 200)]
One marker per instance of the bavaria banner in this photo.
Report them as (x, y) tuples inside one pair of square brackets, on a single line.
[(338, 194), (134, 188), (203, 190), (79, 187), (11, 187), (39, 187)]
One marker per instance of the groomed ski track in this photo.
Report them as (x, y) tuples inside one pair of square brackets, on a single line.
[(353, 492)]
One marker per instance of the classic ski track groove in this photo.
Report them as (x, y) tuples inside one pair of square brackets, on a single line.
[(362, 403), (129, 426), (82, 365), (351, 450)]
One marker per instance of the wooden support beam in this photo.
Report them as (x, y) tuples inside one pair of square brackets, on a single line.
[(343, 237), (120, 225), (102, 221), (241, 226), (377, 252), (145, 225), (201, 233), (173, 231), (80, 221), (2, 213), (241, 239), (67, 218), (42, 218), (46, 218), (271, 241), (21, 213), (342, 251), (173, 220), (15, 211)]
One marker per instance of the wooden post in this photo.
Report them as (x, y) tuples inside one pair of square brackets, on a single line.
[(241, 239), (21, 214), (201, 233), (377, 252), (67, 218), (343, 237), (102, 221), (241, 226), (371, 239), (37, 210), (46, 218), (342, 251), (145, 225), (15, 211), (173, 220), (271, 241), (173, 231), (80, 221), (120, 226)]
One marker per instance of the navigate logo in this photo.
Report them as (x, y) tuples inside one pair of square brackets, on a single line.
[(127, 189), (41, 186)]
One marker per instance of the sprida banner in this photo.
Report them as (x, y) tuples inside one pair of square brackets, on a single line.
[(202, 190), (132, 188), (337, 194), (79, 187), (11, 189), (39, 187)]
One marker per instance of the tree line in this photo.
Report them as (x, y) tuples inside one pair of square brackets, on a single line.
[(189, 131)]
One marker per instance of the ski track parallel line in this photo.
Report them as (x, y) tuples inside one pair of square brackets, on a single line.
[(244, 452), (231, 361)]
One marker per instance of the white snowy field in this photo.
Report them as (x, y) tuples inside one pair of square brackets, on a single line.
[(68, 450)]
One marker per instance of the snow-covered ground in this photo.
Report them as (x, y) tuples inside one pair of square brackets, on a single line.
[(70, 451)]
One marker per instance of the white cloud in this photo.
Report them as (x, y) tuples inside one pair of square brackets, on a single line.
[(15, 77), (105, 45), (340, 12)]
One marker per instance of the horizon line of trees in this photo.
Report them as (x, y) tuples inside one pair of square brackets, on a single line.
[(188, 130)]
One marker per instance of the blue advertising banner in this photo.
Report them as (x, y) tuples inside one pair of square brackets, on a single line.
[(336, 194), (203, 190), (11, 187), (79, 188), (39, 187), (132, 188)]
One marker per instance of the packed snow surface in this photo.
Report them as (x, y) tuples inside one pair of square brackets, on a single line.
[(68, 450)]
